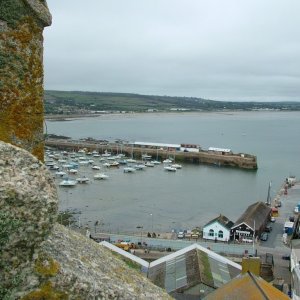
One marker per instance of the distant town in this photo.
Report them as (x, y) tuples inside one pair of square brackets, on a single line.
[(81, 103)]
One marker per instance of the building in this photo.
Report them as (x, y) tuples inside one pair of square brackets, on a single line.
[(193, 271), (218, 229), (247, 286), (252, 223), (295, 269)]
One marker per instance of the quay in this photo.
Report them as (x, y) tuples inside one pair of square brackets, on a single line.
[(217, 157)]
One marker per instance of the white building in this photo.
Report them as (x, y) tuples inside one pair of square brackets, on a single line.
[(295, 269), (218, 229)]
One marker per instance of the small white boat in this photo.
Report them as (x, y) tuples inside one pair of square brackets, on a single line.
[(68, 182), (84, 162), (62, 161), (96, 155), (146, 157), (155, 162), (167, 161), (96, 167), (170, 169), (106, 164), (73, 171), (100, 176), (106, 154), (90, 161), (82, 179), (60, 173), (114, 164), (149, 164), (129, 170), (139, 167), (54, 167), (177, 166), (131, 160)]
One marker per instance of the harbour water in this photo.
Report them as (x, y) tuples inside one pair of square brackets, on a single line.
[(159, 200)]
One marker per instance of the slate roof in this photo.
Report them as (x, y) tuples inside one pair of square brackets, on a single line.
[(222, 220), (258, 211), (247, 287)]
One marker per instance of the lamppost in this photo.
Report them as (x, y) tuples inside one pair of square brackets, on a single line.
[(151, 222), (140, 227)]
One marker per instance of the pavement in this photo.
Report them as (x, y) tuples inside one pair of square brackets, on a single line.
[(275, 244)]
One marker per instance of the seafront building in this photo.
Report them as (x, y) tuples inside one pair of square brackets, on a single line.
[(218, 229)]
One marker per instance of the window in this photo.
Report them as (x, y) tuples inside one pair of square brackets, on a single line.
[(220, 234), (211, 232)]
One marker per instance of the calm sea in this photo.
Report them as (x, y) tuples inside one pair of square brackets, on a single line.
[(156, 199)]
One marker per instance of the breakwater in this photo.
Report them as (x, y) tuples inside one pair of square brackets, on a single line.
[(217, 158)]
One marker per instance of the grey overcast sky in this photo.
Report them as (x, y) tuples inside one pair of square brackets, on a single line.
[(234, 50)]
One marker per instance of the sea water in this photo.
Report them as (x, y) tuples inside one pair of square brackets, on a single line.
[(158, 200)]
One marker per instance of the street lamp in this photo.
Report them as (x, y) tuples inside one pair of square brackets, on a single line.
[(151, 222), (140, 227)]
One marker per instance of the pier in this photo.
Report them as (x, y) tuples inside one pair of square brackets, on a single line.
[(220, 159)]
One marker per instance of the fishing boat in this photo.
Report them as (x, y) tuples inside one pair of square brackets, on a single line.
[(100, 176)]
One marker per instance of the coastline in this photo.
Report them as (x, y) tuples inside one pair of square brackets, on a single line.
[(65, 117)]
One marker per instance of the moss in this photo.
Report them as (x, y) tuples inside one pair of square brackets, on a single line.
[(21, 70), (46, 292), (12, 11), (131, 264), (8, 226), (46, 266), (205, 271)]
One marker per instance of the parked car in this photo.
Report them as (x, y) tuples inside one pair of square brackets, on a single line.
[(264, 236), (180, 235), (286, 257), (268, 228)]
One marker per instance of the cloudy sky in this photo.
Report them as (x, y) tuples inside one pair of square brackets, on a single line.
[(234, 50)]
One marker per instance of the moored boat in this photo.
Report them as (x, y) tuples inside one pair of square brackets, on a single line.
[(100, 176), (82, 179), (170, 169), (68, 182), (129, 170)]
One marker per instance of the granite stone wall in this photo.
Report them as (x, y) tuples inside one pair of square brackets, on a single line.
[(21, 73)]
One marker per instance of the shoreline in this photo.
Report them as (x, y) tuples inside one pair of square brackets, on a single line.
[(64, 117)]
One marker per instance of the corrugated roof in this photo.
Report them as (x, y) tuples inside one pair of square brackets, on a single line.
[(258, 211), (247, 287)]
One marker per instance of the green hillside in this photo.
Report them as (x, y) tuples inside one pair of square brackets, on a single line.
[(63, 102)]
